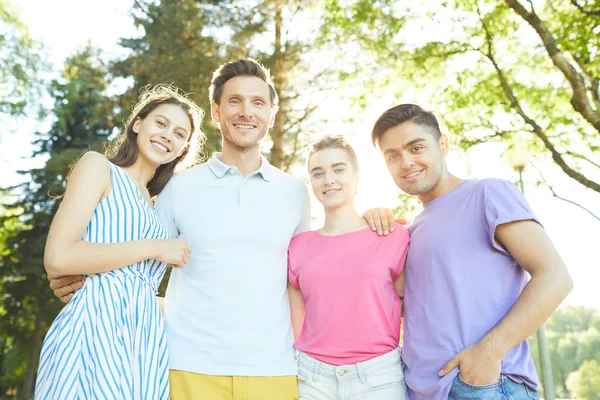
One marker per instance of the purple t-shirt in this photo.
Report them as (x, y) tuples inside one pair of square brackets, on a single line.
[(460, 283)]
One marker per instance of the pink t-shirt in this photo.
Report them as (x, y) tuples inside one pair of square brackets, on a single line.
[(352, 310)]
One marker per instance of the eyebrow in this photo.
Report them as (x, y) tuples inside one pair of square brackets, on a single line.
[(338, 164), (332, 166), (252, 96), (179, 127), (407, 145)]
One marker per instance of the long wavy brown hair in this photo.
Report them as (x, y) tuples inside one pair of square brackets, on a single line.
[(124, 150)]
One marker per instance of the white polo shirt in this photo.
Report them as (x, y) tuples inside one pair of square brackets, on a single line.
[(227, 311)]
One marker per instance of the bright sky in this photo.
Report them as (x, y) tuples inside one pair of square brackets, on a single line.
[(65, 25)]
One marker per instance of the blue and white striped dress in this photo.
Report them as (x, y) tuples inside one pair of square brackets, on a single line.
[(109, 341)]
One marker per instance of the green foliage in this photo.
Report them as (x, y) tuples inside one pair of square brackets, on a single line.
[(20, 62), (83, 115), (408, 207), (573, 339), (485, 71), (174, 49), (184, 41), (585, 383)]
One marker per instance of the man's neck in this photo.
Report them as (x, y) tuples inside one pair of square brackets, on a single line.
[(245, 160), (445, 185)]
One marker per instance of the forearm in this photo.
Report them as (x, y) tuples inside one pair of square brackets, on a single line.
[(542, 295), (88, 258)]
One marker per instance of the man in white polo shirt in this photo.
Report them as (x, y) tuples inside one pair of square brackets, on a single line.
[(227, 311)]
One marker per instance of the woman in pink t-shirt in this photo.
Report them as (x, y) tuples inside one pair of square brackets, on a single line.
[(345, 282)]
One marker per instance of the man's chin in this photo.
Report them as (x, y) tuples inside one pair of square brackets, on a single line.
[(412, 190)]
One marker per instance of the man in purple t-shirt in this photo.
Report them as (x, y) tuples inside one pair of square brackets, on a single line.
[(469, 302)]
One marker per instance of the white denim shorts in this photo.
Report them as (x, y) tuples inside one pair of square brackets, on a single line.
[(380, 378)]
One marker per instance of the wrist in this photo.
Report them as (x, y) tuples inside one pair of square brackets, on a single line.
[(155, 246), (492, 347)]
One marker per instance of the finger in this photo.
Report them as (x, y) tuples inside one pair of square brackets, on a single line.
[(385, 225), (67, 290), (455, 362), (378, 225), (390, 220), (64, 281), (369, 218), (67, 298), (57, 283)]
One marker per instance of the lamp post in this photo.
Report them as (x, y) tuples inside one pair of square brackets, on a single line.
[(518, 158)]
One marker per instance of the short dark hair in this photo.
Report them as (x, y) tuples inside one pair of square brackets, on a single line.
[(335, 142), (400, 114), (245, 67)]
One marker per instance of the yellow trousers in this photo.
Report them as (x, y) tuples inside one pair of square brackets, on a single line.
[(190, 386)]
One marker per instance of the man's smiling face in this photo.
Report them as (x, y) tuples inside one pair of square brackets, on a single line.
[(245, 112), (414, 157)]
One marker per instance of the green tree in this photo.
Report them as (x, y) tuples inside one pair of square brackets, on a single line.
[(407, 207), (184, 41), (83, 115), (489, 68), (585, 383), (573, 339), (20, 62)]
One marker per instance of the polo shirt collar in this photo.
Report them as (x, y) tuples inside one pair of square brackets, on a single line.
[(219, 168)]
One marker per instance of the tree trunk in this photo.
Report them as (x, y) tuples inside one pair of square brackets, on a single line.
[(3, 388), (277, 130), (33, 355)]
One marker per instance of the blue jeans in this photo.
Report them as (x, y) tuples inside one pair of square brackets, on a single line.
[(504, 389), (380, 378)]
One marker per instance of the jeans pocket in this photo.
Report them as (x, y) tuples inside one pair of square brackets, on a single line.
[(532, 394), (303, 375), (382, 378), (478, 387)]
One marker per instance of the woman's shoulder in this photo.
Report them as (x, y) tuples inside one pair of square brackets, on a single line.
[(399, 235), (94, 161), (302, 240)]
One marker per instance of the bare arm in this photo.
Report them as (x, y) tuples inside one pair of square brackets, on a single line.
[(399, 283), (66, 253), (550, 283), (297, 310)]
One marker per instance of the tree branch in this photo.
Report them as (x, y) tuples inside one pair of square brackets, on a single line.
[(596, 92), (537, 129), (582, 10), (307, 112), (579, 99), (554, 194), (593, 81), (584, 158)]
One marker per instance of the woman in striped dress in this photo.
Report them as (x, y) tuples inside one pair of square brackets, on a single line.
[(109, 342)]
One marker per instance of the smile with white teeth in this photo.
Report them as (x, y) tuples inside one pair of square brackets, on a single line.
[(240, 126), (332, 191), (413, 174), (160, 147)]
